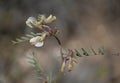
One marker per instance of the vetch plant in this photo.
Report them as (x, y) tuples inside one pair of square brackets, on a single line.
[(68, 58)]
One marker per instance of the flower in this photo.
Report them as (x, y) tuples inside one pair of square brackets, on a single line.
[(49, 19), (63, 64), (31, 22), (71, 59), (42, 20), (70, 65), (38, 41)]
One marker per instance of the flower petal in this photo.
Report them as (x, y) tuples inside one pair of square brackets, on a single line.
[(62, 69), (34, 39), (39, 44), (31, 21), (50, 19)]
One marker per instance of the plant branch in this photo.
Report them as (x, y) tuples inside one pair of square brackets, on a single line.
[(59, 42)]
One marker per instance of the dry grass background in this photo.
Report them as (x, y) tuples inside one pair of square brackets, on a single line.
[(82, 23)]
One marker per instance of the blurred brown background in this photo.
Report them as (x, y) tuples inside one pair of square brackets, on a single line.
[(82, 23)]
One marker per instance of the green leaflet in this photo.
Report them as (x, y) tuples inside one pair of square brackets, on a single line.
[(29, 35), (84, 52), (101, 51), (77, 53), (93, 51)]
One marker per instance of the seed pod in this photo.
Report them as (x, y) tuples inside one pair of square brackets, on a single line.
[(70, 66)]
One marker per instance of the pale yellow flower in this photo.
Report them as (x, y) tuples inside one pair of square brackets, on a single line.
[(31, 22), (38, 41), (62, 69), (50, 19)]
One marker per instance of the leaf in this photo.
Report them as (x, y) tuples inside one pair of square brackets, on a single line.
[(19, 40), (93, 51), (28, 35), (14, 42), (101, 51), (84, 52), (25, 38), (77, 53), (32, 60), (38, 34), (32, 33)]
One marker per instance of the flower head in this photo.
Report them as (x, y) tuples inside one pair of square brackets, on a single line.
[(40, 21), (71, 59)]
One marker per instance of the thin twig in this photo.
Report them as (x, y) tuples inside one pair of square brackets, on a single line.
[(59, 42)]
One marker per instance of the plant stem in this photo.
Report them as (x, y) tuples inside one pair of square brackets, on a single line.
[(59, 42)]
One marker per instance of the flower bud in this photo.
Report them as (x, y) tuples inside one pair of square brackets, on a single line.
[(31, 22), (63, 67), (70, 66), (74, 59), (50, 19), (42, 37)]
